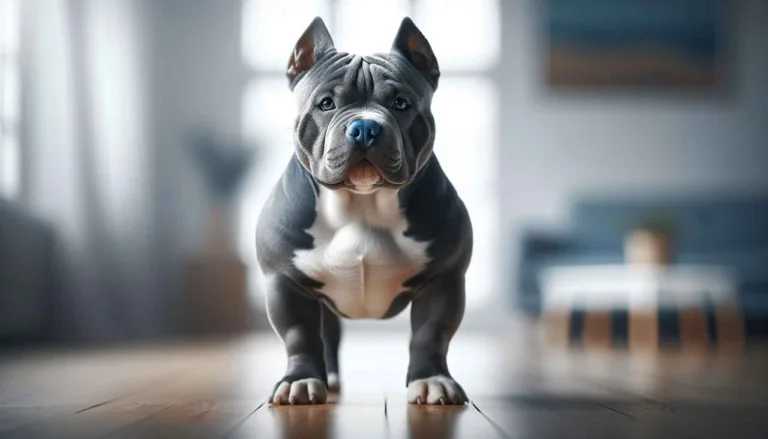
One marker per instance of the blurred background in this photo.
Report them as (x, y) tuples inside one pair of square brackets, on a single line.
[(139, 140)]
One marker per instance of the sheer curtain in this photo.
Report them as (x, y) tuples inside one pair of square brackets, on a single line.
[(85, 160), (9, 98)]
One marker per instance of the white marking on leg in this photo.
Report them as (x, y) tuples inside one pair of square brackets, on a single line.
[(333, 381), (306, 391), (437, 389)]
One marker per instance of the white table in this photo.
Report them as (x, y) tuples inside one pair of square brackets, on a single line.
[(642, 290)]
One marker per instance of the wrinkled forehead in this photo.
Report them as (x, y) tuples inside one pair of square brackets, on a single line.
[(347, 71)]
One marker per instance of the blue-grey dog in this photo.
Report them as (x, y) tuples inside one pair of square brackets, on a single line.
[(363, 221)]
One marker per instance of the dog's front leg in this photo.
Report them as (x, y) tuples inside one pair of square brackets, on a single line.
[(436, 313), (296, 317)]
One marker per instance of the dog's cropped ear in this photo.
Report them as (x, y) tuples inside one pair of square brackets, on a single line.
[(313, 44), (414, 46)]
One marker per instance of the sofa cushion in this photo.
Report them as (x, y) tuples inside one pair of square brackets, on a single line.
[(699, 225)]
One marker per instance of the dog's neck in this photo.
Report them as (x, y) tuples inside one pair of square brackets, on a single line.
[(379, 209)]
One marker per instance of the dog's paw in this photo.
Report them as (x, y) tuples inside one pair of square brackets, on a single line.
[(334, 384), (436, 389), (306, 391)]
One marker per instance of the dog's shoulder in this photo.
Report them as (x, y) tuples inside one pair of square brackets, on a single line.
[(285, 218), (436, 214)]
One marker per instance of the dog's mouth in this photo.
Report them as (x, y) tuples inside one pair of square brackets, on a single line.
[(364, 176)]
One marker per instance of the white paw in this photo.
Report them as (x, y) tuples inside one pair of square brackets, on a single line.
[(306, 391), (437, 389), (333, 382)]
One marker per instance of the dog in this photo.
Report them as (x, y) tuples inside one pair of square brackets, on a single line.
[(363, 221)]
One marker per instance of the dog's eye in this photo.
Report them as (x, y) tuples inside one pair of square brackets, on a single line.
[(400, 104), (327, 104)]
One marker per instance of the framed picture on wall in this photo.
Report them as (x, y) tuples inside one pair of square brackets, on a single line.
[(635, 44)]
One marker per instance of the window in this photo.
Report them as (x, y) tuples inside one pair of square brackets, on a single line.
[(9, 98), (466, 39)]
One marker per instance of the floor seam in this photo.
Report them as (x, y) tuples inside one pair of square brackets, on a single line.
[(499, 430), (109, 401), (607, 407), (128, 394), (134, 424), (241, 422)]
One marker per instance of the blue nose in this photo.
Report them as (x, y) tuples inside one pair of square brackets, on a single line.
[(363, 132)]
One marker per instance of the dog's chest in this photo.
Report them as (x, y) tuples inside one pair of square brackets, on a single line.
[(360, 253)]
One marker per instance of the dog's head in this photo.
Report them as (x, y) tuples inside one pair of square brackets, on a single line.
[(364, 122)]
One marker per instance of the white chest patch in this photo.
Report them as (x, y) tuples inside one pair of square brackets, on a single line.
[(361, 255)]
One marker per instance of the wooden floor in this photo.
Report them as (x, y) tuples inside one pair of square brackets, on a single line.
[(518, 389)]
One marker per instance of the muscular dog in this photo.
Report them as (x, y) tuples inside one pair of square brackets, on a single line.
[(363, 221)]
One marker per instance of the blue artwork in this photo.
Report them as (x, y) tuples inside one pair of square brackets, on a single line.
[(635, 43)]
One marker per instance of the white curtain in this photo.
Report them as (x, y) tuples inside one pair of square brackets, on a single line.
[(86, 160)]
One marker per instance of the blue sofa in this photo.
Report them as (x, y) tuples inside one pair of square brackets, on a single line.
[(731, 232)]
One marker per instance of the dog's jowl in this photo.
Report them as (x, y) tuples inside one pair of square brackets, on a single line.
[(363, 221)]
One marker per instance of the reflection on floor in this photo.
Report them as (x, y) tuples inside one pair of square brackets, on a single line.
[(518, 390)]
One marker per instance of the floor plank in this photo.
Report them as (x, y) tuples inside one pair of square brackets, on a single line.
[(194, 420), (355, 418), (90, 424), (441, 422), (519, 389), (15, 420), (544, 418)]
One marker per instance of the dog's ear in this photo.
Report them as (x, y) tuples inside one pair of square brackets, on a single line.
[(414, 46), (313, 44)]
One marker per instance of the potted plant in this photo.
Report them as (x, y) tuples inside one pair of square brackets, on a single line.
[(649, 241), (215, 277)]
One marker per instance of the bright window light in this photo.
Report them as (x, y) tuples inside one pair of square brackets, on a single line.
[(9, 26), (466, 113), (268, 112), (368, 26), (10, 97), (465, 35), (10, 92), (271, 29)]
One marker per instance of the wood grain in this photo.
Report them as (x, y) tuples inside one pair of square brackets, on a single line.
[(517, 390)]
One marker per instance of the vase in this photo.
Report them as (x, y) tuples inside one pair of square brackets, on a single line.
[(647, 247), (216, 282)]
